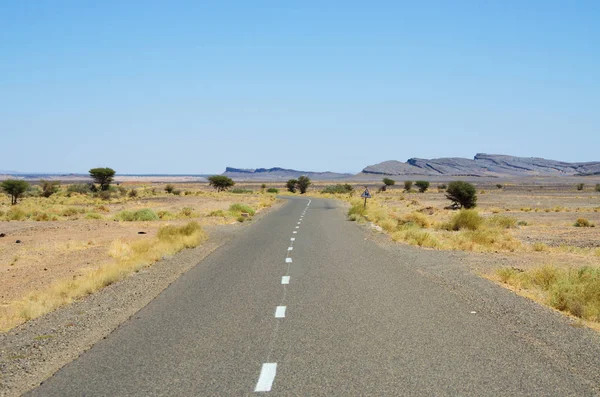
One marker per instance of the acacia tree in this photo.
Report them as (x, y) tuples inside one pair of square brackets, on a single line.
[(291, 185), (462, 194), (49, 187), (422, 185), (14, 188), (103, 177), (387, 182), (220, 182), (303, 184)]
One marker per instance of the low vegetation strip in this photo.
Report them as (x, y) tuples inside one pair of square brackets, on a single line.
[(128, 257), (575, 291)]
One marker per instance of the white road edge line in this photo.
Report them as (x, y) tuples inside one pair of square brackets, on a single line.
[(285, 280), (266, 378), (280, 312), (288, 260)]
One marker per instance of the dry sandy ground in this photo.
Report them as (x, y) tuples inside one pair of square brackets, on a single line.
[(50, 251)]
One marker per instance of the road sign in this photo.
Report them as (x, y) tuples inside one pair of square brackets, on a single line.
[(366, 194)]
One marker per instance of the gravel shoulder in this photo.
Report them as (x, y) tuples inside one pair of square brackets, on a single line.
[(34, 351)]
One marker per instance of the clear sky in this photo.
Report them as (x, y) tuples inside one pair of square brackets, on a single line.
[(191, 87)]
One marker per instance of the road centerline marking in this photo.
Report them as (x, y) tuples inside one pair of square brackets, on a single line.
[(285, 280), (290, 248), (280, 311), (293, 239), (266, 378), (288, 260)]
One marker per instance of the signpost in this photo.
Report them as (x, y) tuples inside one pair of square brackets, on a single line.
[(366, 195)]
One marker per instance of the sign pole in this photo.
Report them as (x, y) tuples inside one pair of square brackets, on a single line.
[(365, 203), (366, 195)]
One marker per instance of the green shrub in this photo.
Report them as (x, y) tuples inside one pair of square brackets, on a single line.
[(338, 189), (122, 190), (219, 213), (465, 219), (598, 187), (237, 209), (291, 185), (240, 191), (356, 211), (133, 193), (72, 211), (169, 188), (462, 194), (303, 184), (145, 214), (81, 188), (104, 195), (408, 185), (165, 215), (582, 222), (103, 177), (389, 182), (499, 185), (14, 188), (422, 185), (93, 215), (241, 219), (272, 190), (49, 187), (15, 214), (442, 186), (580, 186)]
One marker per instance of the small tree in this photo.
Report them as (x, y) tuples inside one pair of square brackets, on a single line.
[(598, 187), (303, 184), (291, 185), (220, 182), (580, 186), (169, 188), (14, 188), (462, 194), (408, 185), (103, 177), (422, 185), (49, 187), (499, 185)]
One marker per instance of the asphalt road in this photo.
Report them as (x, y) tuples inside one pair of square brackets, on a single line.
[(356, 319)]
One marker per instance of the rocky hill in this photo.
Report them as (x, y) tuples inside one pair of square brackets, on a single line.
[(484, 165), (277, 173)]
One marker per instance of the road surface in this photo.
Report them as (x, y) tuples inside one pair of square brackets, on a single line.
[(304, 304)]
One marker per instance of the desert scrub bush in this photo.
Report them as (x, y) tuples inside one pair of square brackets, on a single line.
[(218, 213), (186, 213), (72, 211), (49, 187), (133, 193), (465, 219), (165, 215), (499, 186), (422, 185), (144, 214), (442, 187), (128, 257), (80, 188), (338, 189), (408, 185), (580, 186), (241, 191), (415, 236), (93, 215), (597, 188), (462, 194), (415, 218), (237, 209), (15, 214), (169, 188), (582, 222), (503, 222), (357, 210), (575, 291), (272, 190), (540, 247)]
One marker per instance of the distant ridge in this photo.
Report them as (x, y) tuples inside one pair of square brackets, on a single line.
[(484, 165), (277, 173)]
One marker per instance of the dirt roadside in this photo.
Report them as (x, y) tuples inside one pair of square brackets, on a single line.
[(34, 351)]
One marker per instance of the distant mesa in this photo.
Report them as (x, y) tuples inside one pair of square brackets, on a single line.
[(278, 173), (483, 165)]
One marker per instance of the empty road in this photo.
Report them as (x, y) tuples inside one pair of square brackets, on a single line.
[(302, 303)]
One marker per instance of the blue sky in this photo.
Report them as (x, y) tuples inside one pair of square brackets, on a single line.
[(191, 87)]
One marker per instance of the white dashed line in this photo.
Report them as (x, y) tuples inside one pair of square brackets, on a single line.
[(293, 239), (290, 248), (295, 232), (266, 378), (280, 312), (288, 260), (297, 227), (285, 280)]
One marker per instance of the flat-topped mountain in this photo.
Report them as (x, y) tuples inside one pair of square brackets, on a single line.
[(278, 173), (484, 165)]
